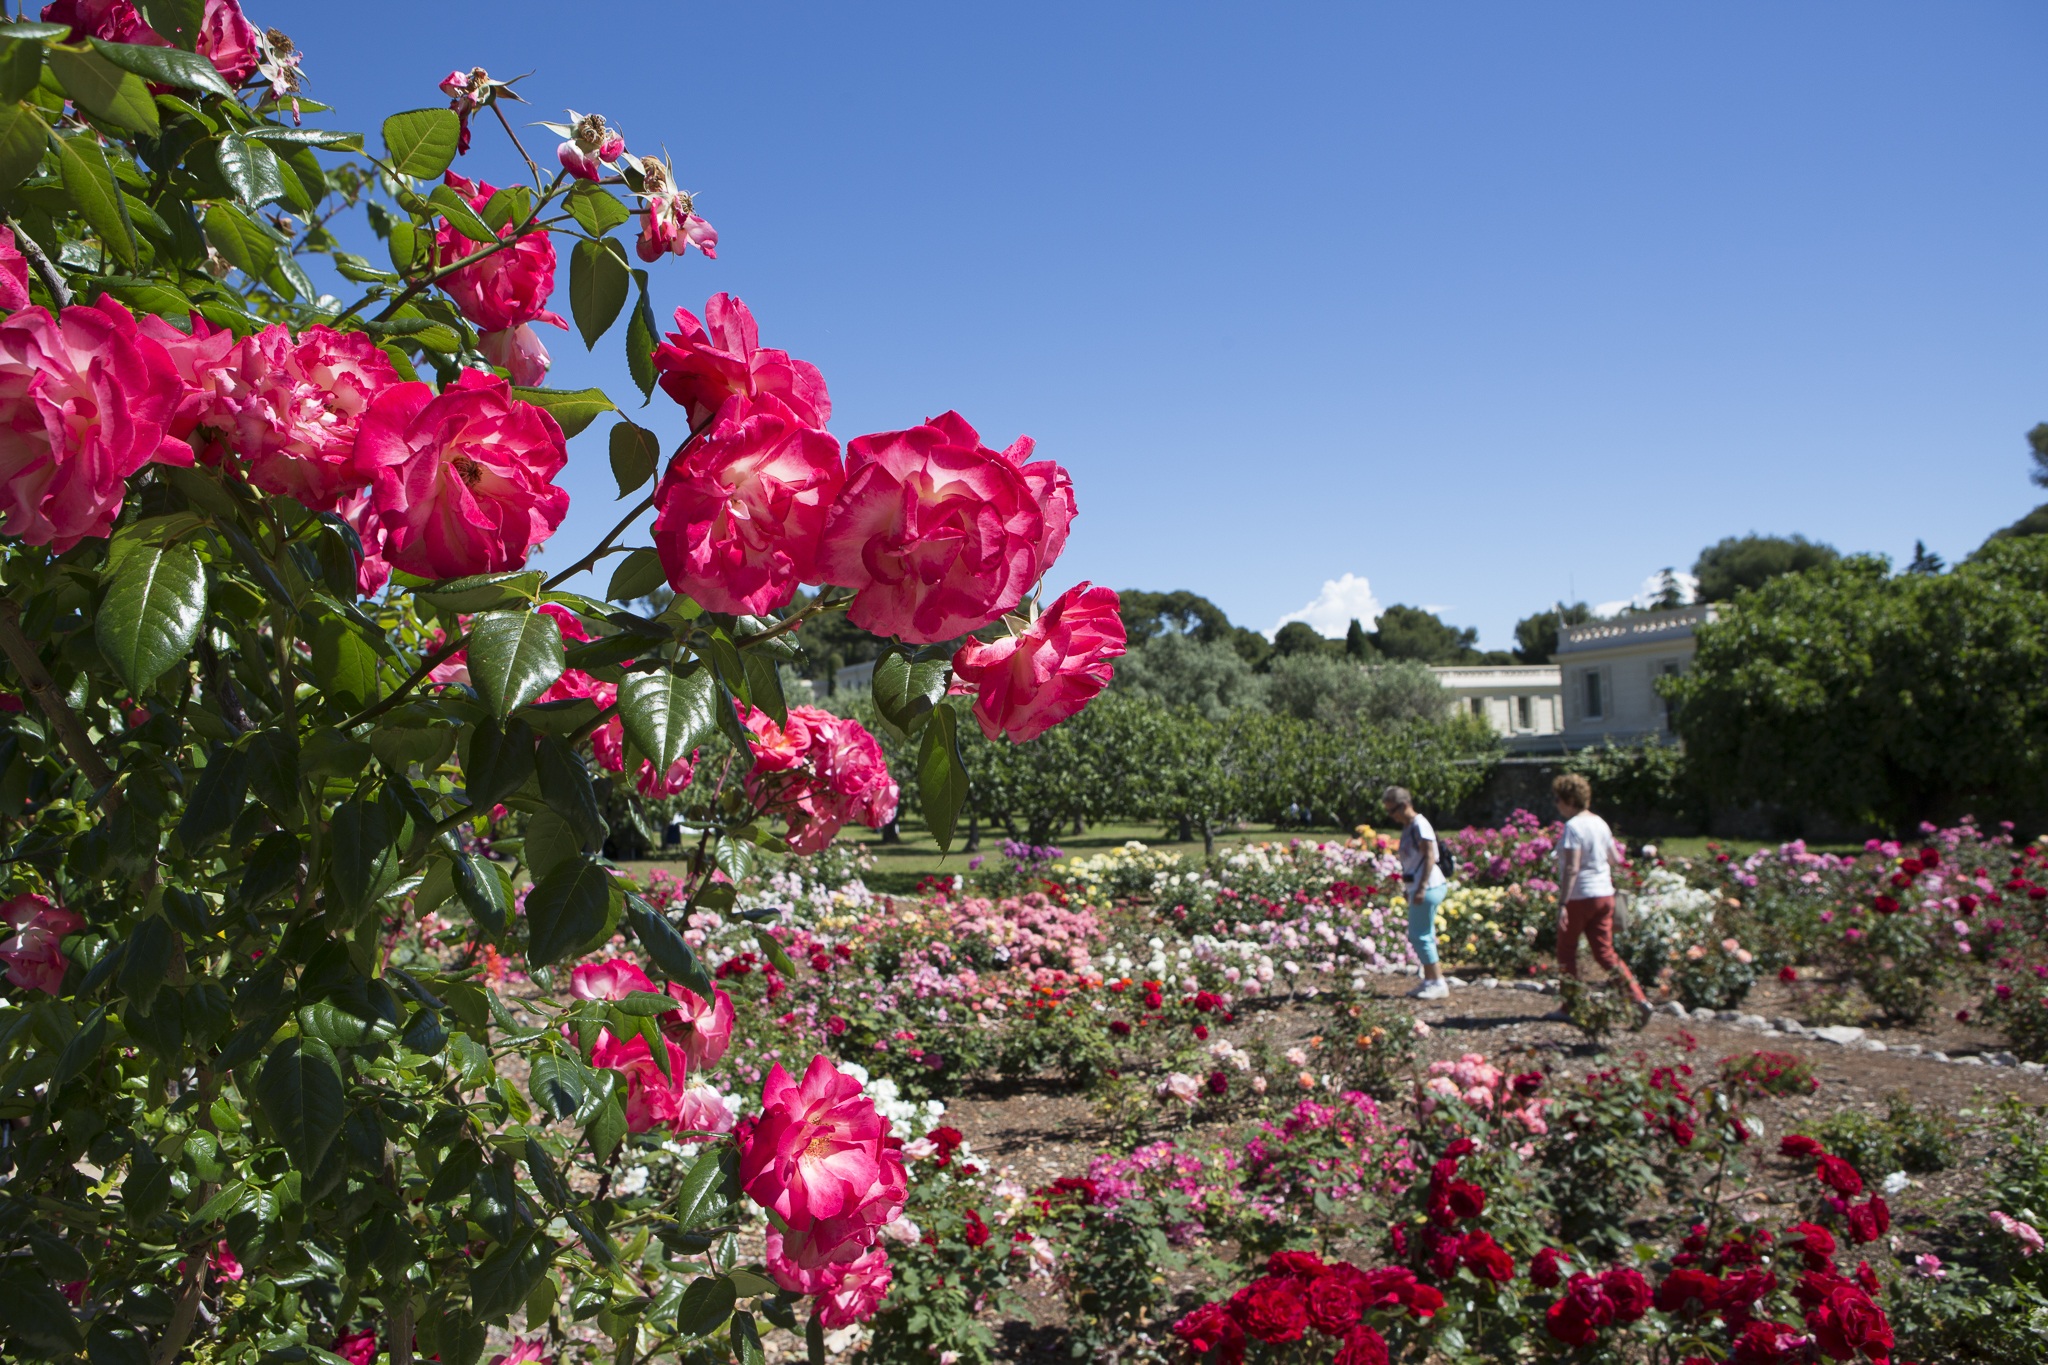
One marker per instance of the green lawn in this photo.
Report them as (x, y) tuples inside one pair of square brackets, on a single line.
[(1696, 847), (899, 866)]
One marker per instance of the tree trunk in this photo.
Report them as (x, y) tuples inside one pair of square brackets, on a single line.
[(1079, 828), (973, 844), (1208, 838), (1187, 829), (891, 834)]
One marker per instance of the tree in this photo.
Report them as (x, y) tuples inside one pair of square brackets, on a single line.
[(1924, 560), (1149, 614), (1850, 689), (1181, 670), (1536, 636), (1412, 633), (1737, 562), (1299, 637), (2037, 441), (1356, 646), (1337, 692)]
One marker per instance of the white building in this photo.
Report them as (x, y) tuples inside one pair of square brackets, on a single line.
[(1520, 701), (1611, 670), (854, 677)]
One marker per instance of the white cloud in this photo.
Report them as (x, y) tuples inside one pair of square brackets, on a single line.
[(1688, 588), (1341, 600)]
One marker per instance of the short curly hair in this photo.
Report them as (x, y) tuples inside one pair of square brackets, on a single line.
[(1572, 789)]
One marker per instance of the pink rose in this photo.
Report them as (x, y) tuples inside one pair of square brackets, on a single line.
[(375, 570), (467, 91), (702, 1028), (13, 273), (588, 145), (741, 509), (818, 772), (700, 1109), (1031, 680), (818, 1158), (525, 1351), (85, 401), (35, 960), (2029, 1237), (226, 38), (669, 225), (702, 364), (357, 1348), (846, 1294), (938, 534), (613, 980), (518, 351), (464, 480), (507, 288), (651, 1098), (289, 410)]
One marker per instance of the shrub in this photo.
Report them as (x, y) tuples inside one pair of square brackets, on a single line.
[(1905, 1137), (1779, 1074)]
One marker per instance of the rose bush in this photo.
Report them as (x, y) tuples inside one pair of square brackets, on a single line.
[(303, 766)]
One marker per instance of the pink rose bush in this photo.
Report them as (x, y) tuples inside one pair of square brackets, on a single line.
[(819, 772), (695, 1036), (937, 534), (742, 507), (507, 288), (519, 351), (819, 1157), (1037, 676), (86, 399), (464, 478), (33, 952)]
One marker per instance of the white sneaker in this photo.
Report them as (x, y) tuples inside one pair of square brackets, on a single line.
[(1419, 988), (1433, 990)]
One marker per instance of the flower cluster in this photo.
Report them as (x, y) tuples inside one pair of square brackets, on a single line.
[(818, 771), (1299, 1292), (694, 1036)]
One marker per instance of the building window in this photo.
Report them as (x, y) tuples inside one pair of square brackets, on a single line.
[(1593, 707), (1478, 707), (1525, 713)]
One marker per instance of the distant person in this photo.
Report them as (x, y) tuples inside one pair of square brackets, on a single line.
[(1585, 887), (1426, 887)]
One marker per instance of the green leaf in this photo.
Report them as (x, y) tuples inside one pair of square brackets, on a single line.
[(502, 1280), (21, 67), (513, 204), (300, 1091), (38, 1318), (217, 799), (336, 1027), (151, 613), (707, 1303), (271, 868), (147, 961), (565, 785), (764, 684), (549, 843), (635, 455), (643, 335), (571, 911), (597, 211), (23, 138), (546, 1178), (422, 143), (250, 168), (113, 1342), (556, 1084), (599, 281), (178, 20), (671, 954), (461, 216), (404, 245), (713, 1181), (639, 574), (666, 716), (242, 244), (776, 953), (484, 591), (746, 1339), (498, 763), (165, 66), (572, 409), (104, 90), (344, 663), (814, 1340), (483, 891), (306, 137), (274, 771), (907, 688), (941, 776), (363, 856), (607, 1127), (89, 182), (514, 656)]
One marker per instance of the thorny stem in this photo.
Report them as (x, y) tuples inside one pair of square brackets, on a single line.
[(604, 546), (427, 665), (440, 273), (60, 292), (43, 688), (504, 123)]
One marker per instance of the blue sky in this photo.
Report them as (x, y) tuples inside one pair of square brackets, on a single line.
[(1485, 304)]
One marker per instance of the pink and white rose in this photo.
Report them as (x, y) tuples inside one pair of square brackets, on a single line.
[(1041, 674), (33, 952), (819, 1158), (702, 364), (226, 37), (506, 289)]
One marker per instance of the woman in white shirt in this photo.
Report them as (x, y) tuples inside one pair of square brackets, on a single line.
[(1585, 887), (1426, 887)]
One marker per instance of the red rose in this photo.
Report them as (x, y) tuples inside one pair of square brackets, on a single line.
[(1333, 1306), (1120, 1028), (1628, 1291), (1740, 1294), (1816, 1244), (1798, 1144), (1576, 1319), (1212, 1328), (1464, 1146), (1867, 1277), (1688, 1293), (1848, 1322), (1862, 1220), (1930, 857), (1488, 1259), (1543, 1270), (976, 1231), (1362, 1347), (1838, 1175), (1271, 1310), (1768, 1343)]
